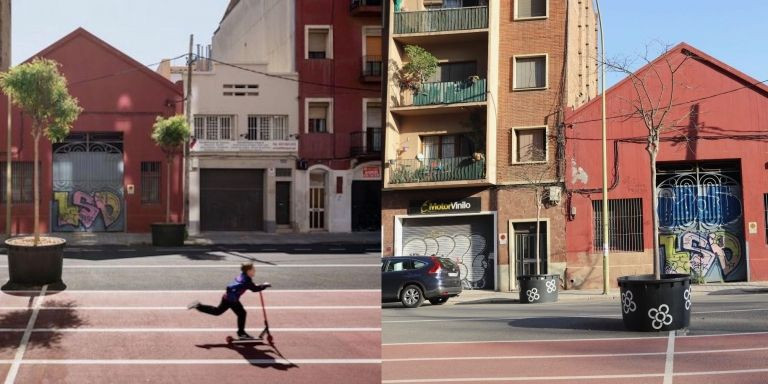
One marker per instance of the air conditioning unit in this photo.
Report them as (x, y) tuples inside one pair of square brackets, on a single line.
[(554, 194)]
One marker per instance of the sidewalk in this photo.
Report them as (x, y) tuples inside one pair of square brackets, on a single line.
[(224, 238), (491, 297)]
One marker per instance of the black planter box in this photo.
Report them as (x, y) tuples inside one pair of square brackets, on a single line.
[(34, 266), (649, 305), (538, 288), (168, 234)]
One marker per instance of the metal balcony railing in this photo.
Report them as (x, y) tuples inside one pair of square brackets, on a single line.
[(372, 66), (441, 20), (449, 92), (367, 142), (436, 170)]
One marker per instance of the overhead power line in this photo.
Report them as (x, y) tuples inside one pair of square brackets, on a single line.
[(125, 71)]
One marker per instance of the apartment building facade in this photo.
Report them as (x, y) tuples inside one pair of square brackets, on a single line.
[(339, 62), (466, 154), (244, 149)]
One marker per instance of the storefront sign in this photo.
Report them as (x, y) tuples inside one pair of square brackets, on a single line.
[(246, 146), (431, 207), (371, 173)]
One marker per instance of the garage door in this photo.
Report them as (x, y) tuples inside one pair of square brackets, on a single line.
[(468, 240), (231, 199)]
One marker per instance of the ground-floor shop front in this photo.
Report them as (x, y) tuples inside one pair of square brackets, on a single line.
[(274, 195)]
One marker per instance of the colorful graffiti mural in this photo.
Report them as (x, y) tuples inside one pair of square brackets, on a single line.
[(700, 225), (79, 210), (469, 252)]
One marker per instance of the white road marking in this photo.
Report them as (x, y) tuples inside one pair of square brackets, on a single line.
[(273, 308), (228, 266), (186, 330), (670, 360), (270, 291), (576, 356), (487, 319), (202, 362), (14, 370)]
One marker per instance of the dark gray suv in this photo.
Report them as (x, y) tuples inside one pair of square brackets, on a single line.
[(413, 279)]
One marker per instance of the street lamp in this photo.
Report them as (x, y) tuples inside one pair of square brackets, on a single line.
[(606, 242)]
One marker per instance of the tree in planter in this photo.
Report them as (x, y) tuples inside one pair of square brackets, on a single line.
[(654, 109), (170, 135), (420, 67), (38, 89), (477, 125), (536, 177)]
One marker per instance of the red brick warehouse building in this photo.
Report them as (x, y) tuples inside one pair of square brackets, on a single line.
[(339, 61), (107, 175), (712, 167)]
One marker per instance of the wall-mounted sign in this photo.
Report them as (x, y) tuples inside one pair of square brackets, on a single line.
[(752, 227), (246, 146), (372, 172), (431, 207)]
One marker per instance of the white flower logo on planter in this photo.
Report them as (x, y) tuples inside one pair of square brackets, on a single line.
[(627, 303), (687, 297), (533, 294), (660, 317), (551, 286)]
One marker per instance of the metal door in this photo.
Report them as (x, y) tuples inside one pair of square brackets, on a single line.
[(283, 202), (231, 199), (525, 244), (701, 225), (88, 184), (366, 206), (467, 240)]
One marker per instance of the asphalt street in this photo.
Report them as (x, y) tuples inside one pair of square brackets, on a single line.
[(123, 315), (302, 266), (716, 312)]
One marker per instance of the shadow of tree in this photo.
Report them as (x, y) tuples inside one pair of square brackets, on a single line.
[(64, 316), (256, 357)]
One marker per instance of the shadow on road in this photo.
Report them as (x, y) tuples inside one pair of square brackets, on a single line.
[(255, 356), (739, 291), (65, 316), (574, 323)]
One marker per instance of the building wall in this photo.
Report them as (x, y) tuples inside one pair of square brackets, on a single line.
[(258, 31), (339, 80), (126, 103), (720, 118)]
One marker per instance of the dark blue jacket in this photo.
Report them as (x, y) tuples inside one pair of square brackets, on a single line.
[(239, 285)]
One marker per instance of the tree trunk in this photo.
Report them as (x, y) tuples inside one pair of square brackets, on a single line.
[(537, 237), (653, 153), (36, 175), (168, 161)]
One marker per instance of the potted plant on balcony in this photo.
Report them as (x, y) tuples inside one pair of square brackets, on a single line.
[(40, 91), (477, 125), (661, 301), (420, 67), (537, 287), (170, 134)]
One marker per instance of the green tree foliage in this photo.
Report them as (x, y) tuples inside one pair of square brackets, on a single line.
[(38, 89), (170, 134), (420, 67)]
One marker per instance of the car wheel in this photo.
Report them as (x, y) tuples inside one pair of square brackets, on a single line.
[(411, 297), (438, 301)]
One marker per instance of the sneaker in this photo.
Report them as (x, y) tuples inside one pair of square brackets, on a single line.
[(193, 305), (244, 336)]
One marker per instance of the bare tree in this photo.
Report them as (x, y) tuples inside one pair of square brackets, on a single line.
[(655, 88), (536, 174)]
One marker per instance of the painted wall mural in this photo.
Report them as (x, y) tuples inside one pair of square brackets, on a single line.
[(79, 210), (701, 226)]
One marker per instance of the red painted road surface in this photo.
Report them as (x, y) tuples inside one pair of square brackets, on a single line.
[(146, 336), (694, 359)]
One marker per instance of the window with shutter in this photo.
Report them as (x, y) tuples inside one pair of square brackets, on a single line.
[(530, 72), (527, 9), (530, 145), (318, 118), (317, 44)]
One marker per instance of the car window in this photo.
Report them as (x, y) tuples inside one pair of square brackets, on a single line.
[(404, 265), (447, 263)]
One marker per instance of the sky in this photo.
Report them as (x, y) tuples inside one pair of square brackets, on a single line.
[(150, 30)]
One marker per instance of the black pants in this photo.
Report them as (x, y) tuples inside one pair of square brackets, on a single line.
[(235, 306)]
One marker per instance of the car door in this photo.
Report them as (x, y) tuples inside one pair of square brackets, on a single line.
[(395, 273)]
